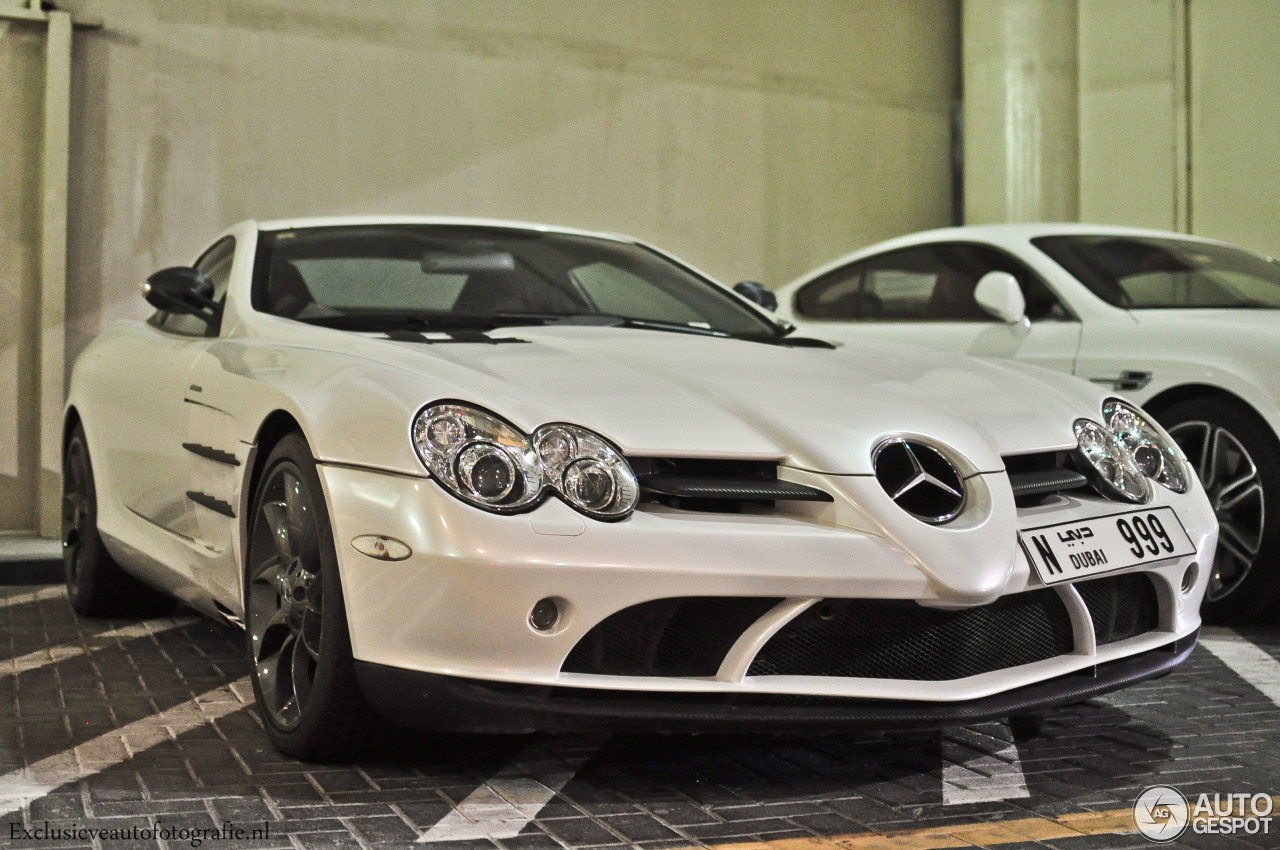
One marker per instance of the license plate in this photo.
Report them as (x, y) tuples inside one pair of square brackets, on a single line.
[(1071, 550)]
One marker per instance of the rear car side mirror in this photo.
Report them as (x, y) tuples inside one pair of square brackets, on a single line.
[(757, 293), (999, 294), (182, 290)]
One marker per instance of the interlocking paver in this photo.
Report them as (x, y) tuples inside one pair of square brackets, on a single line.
[(1203, 729)]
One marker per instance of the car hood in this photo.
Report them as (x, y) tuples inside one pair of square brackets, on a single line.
[(671, 395)]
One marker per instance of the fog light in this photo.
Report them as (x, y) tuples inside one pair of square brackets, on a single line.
[(544, 615), (1189, 577)]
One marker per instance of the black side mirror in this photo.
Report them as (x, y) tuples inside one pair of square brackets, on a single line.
[(183, 290), (757, 292)]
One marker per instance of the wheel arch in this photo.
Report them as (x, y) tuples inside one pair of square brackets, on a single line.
[(273, 428), (1165, 399), (70, 419)]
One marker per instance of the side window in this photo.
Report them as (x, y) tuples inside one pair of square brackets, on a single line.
[(925, 283), (1041, 302), (216, 263), (832, 296), (921, 283), (911, 285)]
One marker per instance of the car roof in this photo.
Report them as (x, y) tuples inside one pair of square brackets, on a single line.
[(997, 234), (366, 220), (1029, 230)]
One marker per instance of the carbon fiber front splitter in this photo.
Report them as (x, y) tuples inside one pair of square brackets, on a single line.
[(430, 701)]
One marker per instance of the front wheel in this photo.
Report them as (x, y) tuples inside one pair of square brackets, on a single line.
[(303, 674), (1238, 461)]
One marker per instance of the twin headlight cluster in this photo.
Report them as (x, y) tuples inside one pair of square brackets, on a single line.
[(1129, 452), (485, 461)]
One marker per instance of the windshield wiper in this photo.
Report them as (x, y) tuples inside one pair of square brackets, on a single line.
[(388, 321), (611, 320), (412, 321)]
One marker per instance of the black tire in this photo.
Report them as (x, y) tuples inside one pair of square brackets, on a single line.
[(96, 585), (1238, 460), (1026, 727), (303, 674)]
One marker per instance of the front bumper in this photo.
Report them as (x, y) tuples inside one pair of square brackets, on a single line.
[(430, 701), (459, 607)]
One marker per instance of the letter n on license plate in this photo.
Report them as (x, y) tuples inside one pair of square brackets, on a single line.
[(1071, 550)]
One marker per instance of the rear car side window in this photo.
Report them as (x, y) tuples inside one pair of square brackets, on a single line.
[(922, 283), (1147, 272)]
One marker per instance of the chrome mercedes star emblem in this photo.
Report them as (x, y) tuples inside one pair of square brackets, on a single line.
[(919, 479)]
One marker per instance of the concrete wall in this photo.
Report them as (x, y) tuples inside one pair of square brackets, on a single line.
[(1020, 98), (1133, 113), (1234, 138), (755, 138), (21, 117), (1180, 117)]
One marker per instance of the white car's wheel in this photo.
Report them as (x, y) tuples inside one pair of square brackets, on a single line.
[(96, 586), (1238, 461), (303, 674)]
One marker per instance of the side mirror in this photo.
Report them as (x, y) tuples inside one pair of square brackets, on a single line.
[(999, 294), (182, 290), (758, 293)]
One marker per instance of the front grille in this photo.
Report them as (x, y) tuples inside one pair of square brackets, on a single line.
[(715, 485), (890, 639), (1121, 606), (686, 636), (1038, 475)]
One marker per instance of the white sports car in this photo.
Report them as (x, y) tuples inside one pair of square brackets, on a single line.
[(1187, 327), (485, 476)]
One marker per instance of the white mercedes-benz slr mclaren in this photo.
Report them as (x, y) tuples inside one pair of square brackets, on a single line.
[(483, 476)]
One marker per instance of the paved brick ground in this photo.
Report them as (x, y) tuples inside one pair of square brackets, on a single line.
[(67, 682)]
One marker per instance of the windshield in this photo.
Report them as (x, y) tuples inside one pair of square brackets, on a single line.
[(395, 277), (1141, 272)]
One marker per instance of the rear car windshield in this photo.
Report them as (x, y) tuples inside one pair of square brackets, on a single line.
[(1140, 272)]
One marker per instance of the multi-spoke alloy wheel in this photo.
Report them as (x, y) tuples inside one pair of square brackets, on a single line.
[(1238, 461), (286, 595), (1234, 487), (303, 673)]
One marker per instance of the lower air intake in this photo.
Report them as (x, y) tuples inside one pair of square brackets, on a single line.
[(890, 639), (1121, 606), (685, 636)]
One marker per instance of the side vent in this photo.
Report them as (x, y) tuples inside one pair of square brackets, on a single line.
[(1035, 477), (721, 486)]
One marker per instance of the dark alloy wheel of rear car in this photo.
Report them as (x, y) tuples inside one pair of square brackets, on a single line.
[(1238, 461)]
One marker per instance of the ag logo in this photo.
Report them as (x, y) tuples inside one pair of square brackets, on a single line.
[(1161, 813)]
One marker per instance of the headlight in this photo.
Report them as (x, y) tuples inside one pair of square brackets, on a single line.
[(1109, 464), (490, 464), (588, 472), (478, 457), (1153, 450)]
